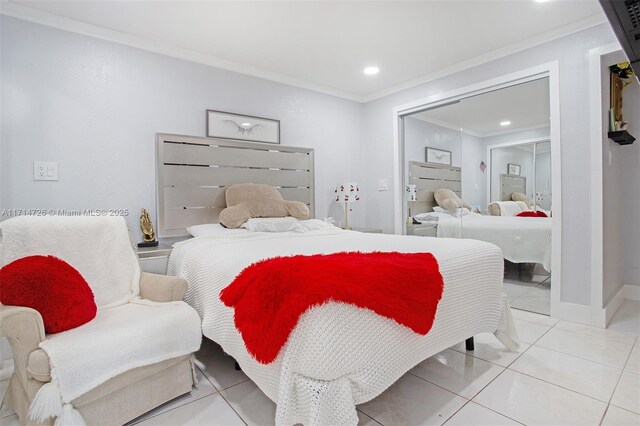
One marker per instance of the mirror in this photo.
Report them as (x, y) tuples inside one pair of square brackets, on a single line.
[(514, 127), (497, 154), (432, 161)]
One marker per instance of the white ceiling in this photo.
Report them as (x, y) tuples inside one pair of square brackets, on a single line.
[(324, 45), (525, 105)]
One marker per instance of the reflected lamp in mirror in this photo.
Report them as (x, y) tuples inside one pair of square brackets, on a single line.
[(347, 193)]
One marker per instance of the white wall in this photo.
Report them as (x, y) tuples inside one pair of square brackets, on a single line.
[(572, 54), (419, 134), (612, 197), (94, 107), (630, 188)]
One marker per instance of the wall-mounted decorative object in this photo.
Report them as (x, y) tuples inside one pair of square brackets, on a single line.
[(227, 125), (620, 78), (513, 169), (483, 166), (438, 156)]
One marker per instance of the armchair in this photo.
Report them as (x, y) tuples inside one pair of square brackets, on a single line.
[(122, 397)]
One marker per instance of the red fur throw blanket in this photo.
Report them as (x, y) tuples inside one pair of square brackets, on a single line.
[(270, 296)]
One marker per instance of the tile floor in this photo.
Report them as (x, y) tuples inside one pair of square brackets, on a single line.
[(564, 373)]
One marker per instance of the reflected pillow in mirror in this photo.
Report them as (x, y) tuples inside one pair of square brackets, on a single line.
[(519, 196), (448, 199)]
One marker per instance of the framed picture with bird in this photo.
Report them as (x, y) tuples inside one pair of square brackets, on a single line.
[(438, 156), (228, 125)]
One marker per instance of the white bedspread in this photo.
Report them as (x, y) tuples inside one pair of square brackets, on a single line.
[(521, 239), (340, 355)]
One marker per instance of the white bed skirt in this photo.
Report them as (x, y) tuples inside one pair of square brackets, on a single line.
[(340, 355)]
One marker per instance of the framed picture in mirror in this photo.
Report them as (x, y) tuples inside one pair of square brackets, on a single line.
[(438, 156), (513, 169)]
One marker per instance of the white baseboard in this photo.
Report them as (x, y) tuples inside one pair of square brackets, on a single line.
[(632, 292), (601, 317), (612, 307)]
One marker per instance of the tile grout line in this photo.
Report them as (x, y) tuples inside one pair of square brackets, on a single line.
[(596, 337), (579, 357), (560, 386), (456, 412), (554, 384), (476, 394), (615, 388), (371, 417), (435, 384), (497, 412), (234, 410)]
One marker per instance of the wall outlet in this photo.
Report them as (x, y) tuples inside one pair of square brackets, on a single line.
[(383, 185), (45, 170)]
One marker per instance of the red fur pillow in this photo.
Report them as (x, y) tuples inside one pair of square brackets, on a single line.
[(527, 214), (538, 213), (50, 286)]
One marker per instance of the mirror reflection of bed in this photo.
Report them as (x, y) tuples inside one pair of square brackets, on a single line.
[(490, 155)]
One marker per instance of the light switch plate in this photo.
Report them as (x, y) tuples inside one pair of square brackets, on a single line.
[(43, 170), (383, 185)]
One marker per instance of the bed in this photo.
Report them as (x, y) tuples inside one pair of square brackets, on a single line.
[(338, 355), (521, 239)]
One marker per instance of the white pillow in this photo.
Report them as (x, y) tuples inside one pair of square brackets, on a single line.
[(455, 213), (213, 230), (315, 225), (273, 224), (431, 216)]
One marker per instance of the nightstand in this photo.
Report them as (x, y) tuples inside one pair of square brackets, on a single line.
[(423, 229), (155, 259), (368, 230)]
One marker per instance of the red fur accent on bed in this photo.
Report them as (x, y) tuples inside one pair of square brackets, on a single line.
[(538, 213), (270, 296)]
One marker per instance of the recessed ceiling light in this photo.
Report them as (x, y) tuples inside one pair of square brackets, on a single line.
[(245, 124), (371, 70), (505, 123), (541, 1)]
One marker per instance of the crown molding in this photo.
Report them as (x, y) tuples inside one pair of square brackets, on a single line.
[(470, 132), (48, 19), (511, 49), (521, 129), (447, 125)]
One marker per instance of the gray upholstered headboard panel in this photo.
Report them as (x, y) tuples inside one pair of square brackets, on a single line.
[(431, 176), (193, 172), (510, 184)]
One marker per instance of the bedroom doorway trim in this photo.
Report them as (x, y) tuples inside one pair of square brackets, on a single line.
[(559, 309)]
